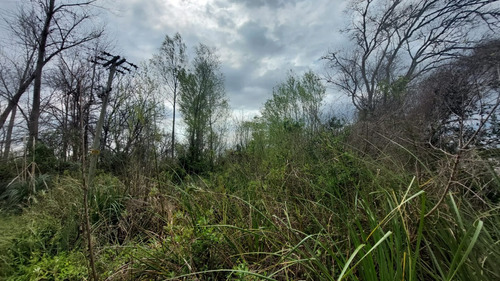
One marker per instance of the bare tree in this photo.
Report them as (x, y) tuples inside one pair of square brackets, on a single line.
[(452, 117), (133, 134), (455, 99), (72, 81), (49, 27), (397, 41), (16, 75)]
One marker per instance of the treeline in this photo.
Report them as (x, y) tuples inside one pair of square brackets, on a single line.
[(53, 83), (58, 115)]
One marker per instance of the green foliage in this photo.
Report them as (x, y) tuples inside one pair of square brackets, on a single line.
[(41, 238), (58, 268), (462, 246), (204, 108), (296, 103), (45, 241), (20, 192), (7, 173), (394, 90), (186, 246), (44, 157), (107, 199), (316, 213)]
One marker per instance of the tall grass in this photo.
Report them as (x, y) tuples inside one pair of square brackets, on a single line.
[(340, 220), (328, 215), (44, 242)]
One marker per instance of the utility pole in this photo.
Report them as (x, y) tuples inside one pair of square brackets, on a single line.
[(115, 64)]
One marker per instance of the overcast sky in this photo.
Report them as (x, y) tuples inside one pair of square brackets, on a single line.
[(258, 41)]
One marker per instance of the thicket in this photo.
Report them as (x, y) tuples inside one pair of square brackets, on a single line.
[(297, 199), (308, 209)]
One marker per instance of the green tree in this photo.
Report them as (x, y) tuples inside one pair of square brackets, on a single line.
[(204, 107), (290, 119), (296, 101), (168, 63)]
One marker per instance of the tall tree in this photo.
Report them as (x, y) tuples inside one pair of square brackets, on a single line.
[(396, 41), (132, 131), (168, 64), (16, 76), (204, 106)]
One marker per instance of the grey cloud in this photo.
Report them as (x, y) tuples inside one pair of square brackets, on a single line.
[(278, 35), (249, 90), (247, 76), (145, 13), (256, 39), (235, 78), (271, 78), (213, 10), (225, 22)]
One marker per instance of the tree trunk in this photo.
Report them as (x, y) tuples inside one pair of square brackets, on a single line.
[(173, 124), (8, 137), (33, 123)]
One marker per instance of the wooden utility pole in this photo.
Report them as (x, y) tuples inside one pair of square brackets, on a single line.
[(115, 64)]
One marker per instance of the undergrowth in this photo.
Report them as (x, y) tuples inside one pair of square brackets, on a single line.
[(327, 213)]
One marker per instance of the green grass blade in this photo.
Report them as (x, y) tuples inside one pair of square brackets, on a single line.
[(469, 249), (372, 249), (455, 209), (346, 266), (416, 254)]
